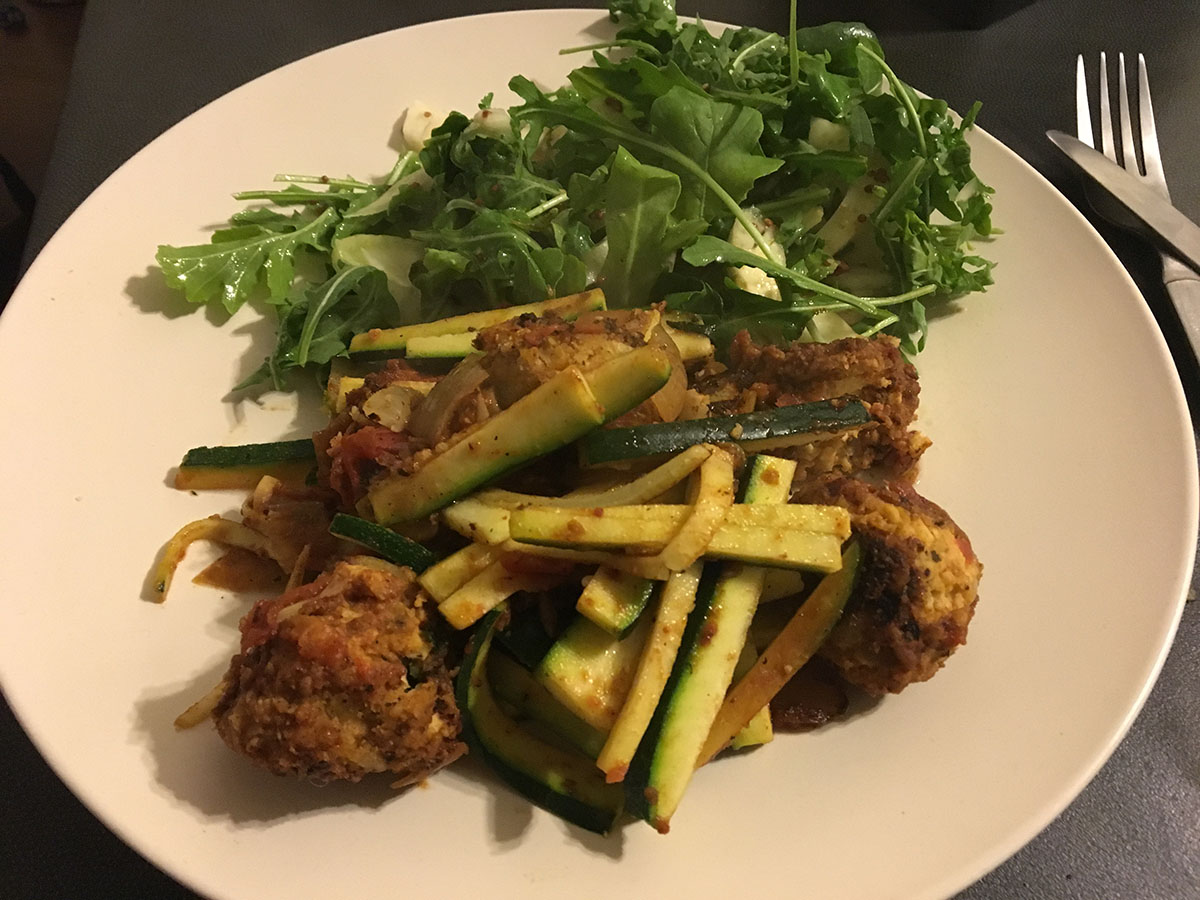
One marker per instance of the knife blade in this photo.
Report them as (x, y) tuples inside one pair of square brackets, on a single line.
[(1164, 222)]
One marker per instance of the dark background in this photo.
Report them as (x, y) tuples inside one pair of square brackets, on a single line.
[(142, 65)]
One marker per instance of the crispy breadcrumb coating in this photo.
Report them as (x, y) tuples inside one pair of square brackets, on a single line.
[(528, 351), (341, 677), (763, 377), (916, 593)]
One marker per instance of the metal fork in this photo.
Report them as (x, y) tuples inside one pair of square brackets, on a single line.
[(1122, 147)]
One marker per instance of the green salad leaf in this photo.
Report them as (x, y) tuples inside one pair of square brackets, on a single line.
[(317, 322), (239, 259), (671, 169), (642, 230)]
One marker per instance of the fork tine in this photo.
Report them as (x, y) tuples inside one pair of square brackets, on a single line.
[(1083, 112), (1106, 129), (1127, 152), (1150, 152)]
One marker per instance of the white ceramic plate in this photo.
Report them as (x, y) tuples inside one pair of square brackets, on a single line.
[(1043, 399)]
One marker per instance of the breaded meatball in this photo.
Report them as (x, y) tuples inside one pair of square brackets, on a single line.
[(342, 677), (916, 593), (525, 352), (761, 377)]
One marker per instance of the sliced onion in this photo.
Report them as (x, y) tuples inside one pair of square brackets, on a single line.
[(431, 420), (668, 400), (391, 406)]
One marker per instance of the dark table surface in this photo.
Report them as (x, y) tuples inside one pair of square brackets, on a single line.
[(142, 66)]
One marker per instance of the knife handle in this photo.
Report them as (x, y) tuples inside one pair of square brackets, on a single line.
[(1185, 297)]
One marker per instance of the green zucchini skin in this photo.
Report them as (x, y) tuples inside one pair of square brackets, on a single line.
[(671, 742), (249, 454), (613, 444), (515, 685), (489, 732), (395, 548), (550, 416), (639, 796), (637, 598), (526, 640)]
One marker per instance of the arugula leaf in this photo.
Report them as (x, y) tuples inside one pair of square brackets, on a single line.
[(230, 270), (394, 256), (630, 86), (642, 232), (708, 249), (644, 18), (564, 109), (721, 311), (841, 42), (317, 322), (720, 138), (660, 148), (294, 195)]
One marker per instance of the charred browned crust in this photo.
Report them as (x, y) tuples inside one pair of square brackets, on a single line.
[(341, 677), (527, 351), (872, 370), (916, 592)]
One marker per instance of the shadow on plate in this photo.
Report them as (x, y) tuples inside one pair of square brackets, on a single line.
[(197, 769), (510, 816), (150, 294)]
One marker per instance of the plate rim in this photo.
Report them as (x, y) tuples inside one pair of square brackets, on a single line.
[(1033, 824)]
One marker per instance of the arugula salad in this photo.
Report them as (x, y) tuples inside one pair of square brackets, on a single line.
[(791, 186)]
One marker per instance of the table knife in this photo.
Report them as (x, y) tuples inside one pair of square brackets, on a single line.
[(1164, 224)]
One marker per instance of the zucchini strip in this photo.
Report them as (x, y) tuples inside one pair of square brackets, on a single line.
[(516, 686), (487, 590), (776, 427), (635, 565), (784, 535), (396, 339), (393, 547), (590, 671), (657, 522), (477, 520), (642, 489), (444, 578), (716, 631), (758, 730), (614, 599), (654, 668), (791, 649), (779, 548), (240, 467), (565, 783), (440, 346), (619, 384), (714, 496)]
